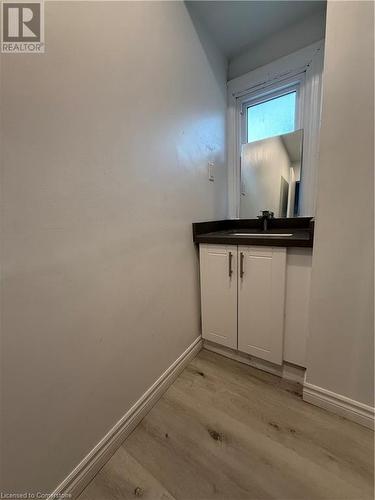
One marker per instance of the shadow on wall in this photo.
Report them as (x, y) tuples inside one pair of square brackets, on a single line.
[(217, 61)]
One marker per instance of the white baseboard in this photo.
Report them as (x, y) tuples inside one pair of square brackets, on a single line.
[(341, 405), (288, 371), (80, 477)]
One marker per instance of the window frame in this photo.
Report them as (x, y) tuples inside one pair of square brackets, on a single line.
[(265, 96)]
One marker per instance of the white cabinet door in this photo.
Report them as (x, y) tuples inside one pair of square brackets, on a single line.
[(218, 273), (261, 298)]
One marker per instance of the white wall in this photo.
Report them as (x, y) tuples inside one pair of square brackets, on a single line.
[(297, 304), (105, 143), (280, 44), (340, 348)]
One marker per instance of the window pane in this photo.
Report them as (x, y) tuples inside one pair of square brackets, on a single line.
[(273, 117)]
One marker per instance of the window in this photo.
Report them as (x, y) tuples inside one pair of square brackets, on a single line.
[(270, 111), (271, 117), (299, 74)]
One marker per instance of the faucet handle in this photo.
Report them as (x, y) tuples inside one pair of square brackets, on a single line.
[(266, 214)]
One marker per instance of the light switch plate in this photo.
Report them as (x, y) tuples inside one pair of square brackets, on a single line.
[(211, 166)]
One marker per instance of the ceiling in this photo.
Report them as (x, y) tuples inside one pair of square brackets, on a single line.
[(235, 25)]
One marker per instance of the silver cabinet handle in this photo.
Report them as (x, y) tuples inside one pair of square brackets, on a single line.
[(230, 271), (242, 272)]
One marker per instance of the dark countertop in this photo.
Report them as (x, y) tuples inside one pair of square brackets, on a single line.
[(221, 232)]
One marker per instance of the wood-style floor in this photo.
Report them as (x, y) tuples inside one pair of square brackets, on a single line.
[(227, 431)]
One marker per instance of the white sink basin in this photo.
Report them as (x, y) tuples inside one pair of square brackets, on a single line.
[(263, 235)]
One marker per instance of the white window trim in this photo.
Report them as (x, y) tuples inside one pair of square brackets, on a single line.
[(304, 67), (271, 92)]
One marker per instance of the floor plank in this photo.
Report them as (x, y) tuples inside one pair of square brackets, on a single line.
[(124, 478), (225, 430)]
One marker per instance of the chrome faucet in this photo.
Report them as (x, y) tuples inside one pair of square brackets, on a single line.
[(265, 216)]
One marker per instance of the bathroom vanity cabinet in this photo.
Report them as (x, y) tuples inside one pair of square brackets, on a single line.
[(243, 298), (255, 287)]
